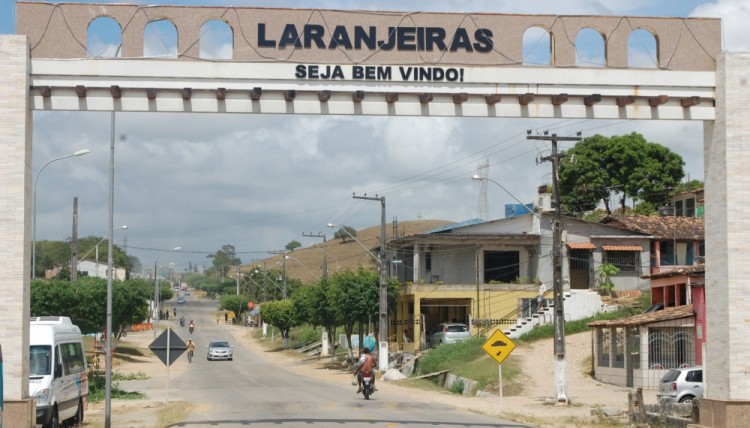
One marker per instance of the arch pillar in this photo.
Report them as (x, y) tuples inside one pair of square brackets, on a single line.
[(726, 156), (15, 227)]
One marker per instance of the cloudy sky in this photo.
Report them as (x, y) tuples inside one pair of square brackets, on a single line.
[(258, 182)]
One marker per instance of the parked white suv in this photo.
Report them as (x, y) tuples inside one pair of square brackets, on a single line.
[(681, 385)]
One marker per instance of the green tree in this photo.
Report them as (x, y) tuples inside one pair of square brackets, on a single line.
[(224, 259), (280, 314), (50, 254), (316, 305), (356, 295), (343, 235), (234, 302), (604, 274), (291, 245), (84, 301), (626, 166)]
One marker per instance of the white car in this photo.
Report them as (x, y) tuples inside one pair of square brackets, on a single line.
[(220, 350), (450, 333), (681, 385)]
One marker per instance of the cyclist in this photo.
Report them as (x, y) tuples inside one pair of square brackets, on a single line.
[(190, 349)]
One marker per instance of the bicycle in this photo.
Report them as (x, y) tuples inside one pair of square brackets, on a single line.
[(190, 356)]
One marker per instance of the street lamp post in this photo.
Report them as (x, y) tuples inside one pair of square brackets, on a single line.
[(156, 314), (33, 208), (325, 253), (96, 248), (383, 325), (559, 313), (303, 266)]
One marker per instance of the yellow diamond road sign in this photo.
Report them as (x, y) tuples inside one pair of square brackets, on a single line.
[(499, 346)]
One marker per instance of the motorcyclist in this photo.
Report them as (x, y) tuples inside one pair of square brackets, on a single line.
[(192, 326), (182, 321), (366, 364)]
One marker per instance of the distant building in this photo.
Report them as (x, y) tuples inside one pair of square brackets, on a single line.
[(99, 270)]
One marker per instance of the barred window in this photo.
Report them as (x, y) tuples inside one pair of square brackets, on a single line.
[(619, 360), (603, 344), (626, 261), (671, 347)]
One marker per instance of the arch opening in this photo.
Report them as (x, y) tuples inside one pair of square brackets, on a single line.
[(160, 39), (590, 48), (216, 40), (104, 38), (537, 47), (642, 49)]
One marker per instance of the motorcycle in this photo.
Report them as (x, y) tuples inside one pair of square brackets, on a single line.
[(367, 387), (182, 323), (192, 327)]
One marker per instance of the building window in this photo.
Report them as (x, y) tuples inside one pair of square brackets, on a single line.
[(501, 266), (671, 348), (634, 347), (619, 360), (690, 207), (678, 208), (603, 345), (626, 261)]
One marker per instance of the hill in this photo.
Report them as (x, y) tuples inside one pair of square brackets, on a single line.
[(306, 264)]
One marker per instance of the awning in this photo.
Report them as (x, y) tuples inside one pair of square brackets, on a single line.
[(581, 246), (622, 248)]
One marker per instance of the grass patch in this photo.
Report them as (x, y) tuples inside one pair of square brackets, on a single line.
[(468, 360), (97, 390), (451, 357), (174, 413), (547, 331), (129, 376)]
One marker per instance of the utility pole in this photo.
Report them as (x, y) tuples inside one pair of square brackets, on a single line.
[(561, 380), (283, 269), (74, 243), (325, 250), (383, 318)]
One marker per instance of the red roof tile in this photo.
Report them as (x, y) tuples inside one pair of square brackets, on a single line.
[(581, 246), (622, 248), (666, 314)]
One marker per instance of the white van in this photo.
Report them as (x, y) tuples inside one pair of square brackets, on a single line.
[(58, 378)]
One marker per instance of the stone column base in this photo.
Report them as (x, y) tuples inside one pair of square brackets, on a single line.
[(724, 414), (19, 413)]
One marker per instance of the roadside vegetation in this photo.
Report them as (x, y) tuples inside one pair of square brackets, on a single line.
[(465, 359)]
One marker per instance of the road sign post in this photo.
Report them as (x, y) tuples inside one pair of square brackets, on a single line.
[(499, 346), (168, 347)]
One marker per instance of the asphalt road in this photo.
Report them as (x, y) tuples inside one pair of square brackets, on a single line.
[(250, 392)]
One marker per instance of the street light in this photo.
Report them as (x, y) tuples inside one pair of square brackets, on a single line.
[(33, 208), (96, 247), (477, 177), (343, 229), (325, 253), (305, 267), (268, 278), (383, 315), (156, 314)]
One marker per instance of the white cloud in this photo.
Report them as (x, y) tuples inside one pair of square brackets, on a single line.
[(735, 15)]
